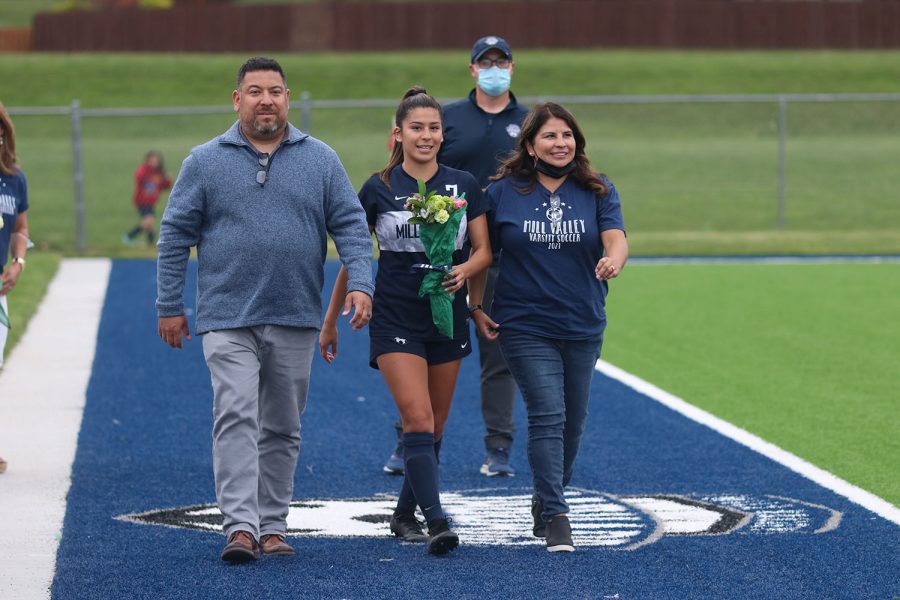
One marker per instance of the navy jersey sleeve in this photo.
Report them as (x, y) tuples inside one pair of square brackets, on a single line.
[(23, 193), (368, 197), (474, 198), (610, 214)]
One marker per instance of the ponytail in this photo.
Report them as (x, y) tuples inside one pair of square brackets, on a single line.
[(415, 97)]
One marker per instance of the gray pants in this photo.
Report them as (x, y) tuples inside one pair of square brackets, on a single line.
[(260, 378), (498, 388)]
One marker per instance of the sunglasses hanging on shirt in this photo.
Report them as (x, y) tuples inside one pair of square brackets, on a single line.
[(263, 174)]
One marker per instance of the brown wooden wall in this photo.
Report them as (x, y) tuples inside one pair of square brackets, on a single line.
[(844, 24), (15, 39)]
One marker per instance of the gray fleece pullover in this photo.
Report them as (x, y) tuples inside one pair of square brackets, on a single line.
[(260, 248)]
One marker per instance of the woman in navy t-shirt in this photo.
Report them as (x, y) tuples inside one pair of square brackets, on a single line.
[(13, 223), (559, 228), (419, 364)]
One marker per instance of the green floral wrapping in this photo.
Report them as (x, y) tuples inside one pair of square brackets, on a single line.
[(440, 242)]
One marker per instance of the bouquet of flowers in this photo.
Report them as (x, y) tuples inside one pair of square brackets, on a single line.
[(438, 218)]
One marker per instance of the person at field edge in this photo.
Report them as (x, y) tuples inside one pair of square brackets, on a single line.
[(479, 132), (258, 203), (13, 224), (559, 226), (150, 180), (419, 364)]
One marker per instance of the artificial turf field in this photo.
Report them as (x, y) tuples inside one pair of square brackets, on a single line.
[(664, 507)]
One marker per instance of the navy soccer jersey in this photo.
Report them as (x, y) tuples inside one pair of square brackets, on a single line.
[(13, 201), (397, 308), (477, 141), (550, 244)]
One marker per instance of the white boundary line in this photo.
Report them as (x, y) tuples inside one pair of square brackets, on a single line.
[(43, 390), (855, 494)]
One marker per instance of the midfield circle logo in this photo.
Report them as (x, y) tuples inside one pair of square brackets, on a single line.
[(502, 517)]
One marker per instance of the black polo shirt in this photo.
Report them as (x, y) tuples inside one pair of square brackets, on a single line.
[(477, 141)]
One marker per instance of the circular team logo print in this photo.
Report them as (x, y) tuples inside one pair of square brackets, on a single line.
[(513, 130), (502, 517)]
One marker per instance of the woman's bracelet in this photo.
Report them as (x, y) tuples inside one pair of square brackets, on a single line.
[(475, 307)]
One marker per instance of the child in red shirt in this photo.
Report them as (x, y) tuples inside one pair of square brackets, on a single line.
[(150, 180)]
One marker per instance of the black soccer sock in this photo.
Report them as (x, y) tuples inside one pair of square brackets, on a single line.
[(421, 472), (134, 232), (151, 236), (406, 501)]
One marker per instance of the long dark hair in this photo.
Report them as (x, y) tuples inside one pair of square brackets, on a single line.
[(8, 164), (520, 165), (415, 97)]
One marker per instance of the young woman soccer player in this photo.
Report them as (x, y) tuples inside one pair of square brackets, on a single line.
[(419, 365), (559, 227)]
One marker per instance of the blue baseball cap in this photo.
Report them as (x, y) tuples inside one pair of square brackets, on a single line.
[(490, 42)]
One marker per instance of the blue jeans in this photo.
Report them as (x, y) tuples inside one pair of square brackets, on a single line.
[(554, 377)]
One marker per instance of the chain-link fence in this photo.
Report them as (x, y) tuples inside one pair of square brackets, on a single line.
[(713, 168)]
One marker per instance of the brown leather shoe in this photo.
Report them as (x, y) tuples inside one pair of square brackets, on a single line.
[(273, 544), (241, 547)]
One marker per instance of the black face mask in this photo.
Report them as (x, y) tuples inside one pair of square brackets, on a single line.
[(554, 172)]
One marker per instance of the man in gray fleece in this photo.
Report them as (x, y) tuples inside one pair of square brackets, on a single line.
[(257, 202)]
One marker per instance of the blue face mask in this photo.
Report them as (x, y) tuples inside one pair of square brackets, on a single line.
[(494, 81)]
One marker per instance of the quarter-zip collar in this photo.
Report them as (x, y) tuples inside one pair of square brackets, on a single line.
[(234, 136)]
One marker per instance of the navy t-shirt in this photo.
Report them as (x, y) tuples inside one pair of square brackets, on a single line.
[(477, 141), (13, 201), (397, 308), (550, 244)]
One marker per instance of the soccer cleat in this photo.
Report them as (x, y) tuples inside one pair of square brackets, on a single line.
[(537, 508), (496, 463), (3, 465), (441, 539), (559, 535), (407, 527), (127, 240)]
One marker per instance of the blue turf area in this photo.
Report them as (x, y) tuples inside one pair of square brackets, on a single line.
[(664, 507)]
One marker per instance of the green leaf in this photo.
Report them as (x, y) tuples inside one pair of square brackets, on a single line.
[(416, 220), (421, 187)]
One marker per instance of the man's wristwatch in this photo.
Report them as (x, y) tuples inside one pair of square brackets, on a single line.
[(472, 308), (18, 260)]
